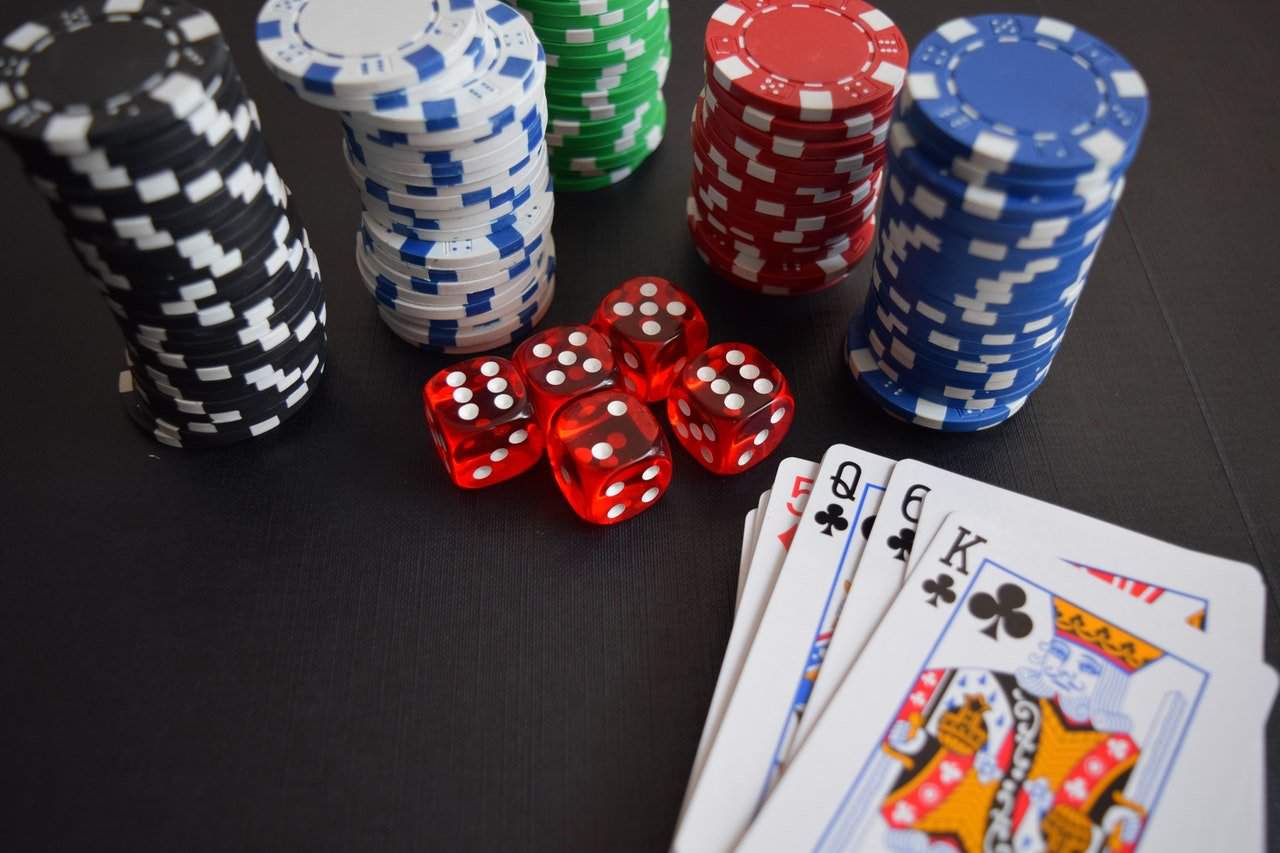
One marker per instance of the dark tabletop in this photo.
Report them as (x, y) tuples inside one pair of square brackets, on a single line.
[(315, 642)]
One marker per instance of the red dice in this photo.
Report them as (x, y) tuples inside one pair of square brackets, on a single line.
[(562, 363), (609, 456), (655, 330), (731, 408), (482, 420)]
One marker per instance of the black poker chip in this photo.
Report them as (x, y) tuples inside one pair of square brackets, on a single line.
[(132, 121)]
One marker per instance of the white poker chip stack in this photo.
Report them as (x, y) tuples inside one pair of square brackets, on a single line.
[(443, 116)]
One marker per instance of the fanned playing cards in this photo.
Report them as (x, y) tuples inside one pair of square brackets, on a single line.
[(924, 662)]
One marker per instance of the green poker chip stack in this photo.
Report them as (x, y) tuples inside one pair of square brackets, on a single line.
[(606, 63)]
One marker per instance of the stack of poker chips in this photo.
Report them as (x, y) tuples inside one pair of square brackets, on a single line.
[(608, 60), (1007, 159), (131, 120), (443, 119), (789, 140)]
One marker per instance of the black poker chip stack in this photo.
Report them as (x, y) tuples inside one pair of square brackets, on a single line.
[(130, 118)]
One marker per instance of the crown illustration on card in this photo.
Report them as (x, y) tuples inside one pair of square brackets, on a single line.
[(1117, 645)]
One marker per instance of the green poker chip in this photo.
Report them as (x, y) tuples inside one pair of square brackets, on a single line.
[(572, 8), (561, 148), (652, 37), (561, 38), (615, 127), (608, 155)]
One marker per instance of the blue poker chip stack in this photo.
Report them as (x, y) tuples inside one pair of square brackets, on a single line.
[(132, 121), (443, 120), (1006, 160)]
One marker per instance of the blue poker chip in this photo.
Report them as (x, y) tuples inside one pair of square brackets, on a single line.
[(1028, 95), (343, 49), (902, 403)]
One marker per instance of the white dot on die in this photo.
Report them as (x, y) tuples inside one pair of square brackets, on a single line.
[(710, 433), (682, 429), (490, 368), (541, 350), (735, 357), (623, 309), (696, 430), (706, 374), (469, 412), (778, 415), (617, 510), (592, 365), (748, 371), (763, 386), (482, 472), (648, 309), (761, 437), (453, 380), (745, 457), (676, 309), (734, 401), (614, 489), (631, 361), (648, 289), (555, 377), (602, 450), (721, 386), (518, 437), (504, 401), (617, 408), (650, 472), (651, 327), (577, 339), (462, 395), (650, 495), (706, 454), (499, 454), (684, 408), (496, 385), (567, 358)]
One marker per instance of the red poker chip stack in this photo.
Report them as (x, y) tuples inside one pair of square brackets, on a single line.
[(789, 140)]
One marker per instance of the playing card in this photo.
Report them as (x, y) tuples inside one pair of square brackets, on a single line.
[(1226, 598), (1006, 704), (769, 699), (875, 584), (750, 546), (786, 500)]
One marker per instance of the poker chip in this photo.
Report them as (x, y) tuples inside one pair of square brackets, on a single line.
[(606, 66), (444, 113), (790, 137), (133, 122), (998, 198)]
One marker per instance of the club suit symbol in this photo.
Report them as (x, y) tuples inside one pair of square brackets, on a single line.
[(900, 543), (1004, 610), (939, 588), (831, 518)]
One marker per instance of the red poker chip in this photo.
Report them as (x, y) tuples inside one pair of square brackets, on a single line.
[(780, 145), (853, 127), (812, 231), (858, 165), (783, 180), (748, 193), (802, 272), (812, 60), (764, 217)]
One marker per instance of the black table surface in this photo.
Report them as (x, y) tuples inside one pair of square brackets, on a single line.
[(314, 641)]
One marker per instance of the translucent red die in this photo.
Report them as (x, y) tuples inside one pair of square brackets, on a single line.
[(654, 329), (731, 408), (482, 421), (564, 362), (609, 456)]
